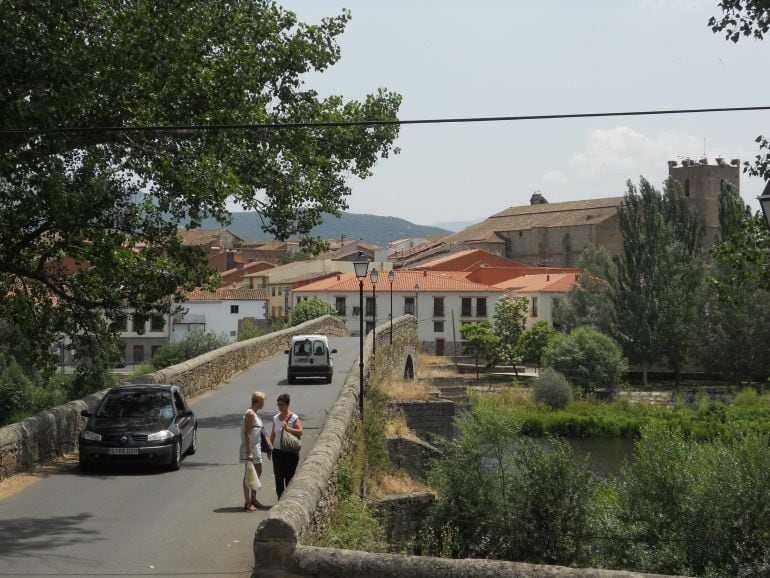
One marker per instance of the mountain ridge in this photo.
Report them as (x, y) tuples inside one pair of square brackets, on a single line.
[(373, 229)]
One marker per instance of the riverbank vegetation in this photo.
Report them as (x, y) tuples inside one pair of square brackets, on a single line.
[(679, 506), (704, 420)]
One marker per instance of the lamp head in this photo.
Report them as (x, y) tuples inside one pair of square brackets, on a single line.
[(360, 265), (373, 276), (391, 276)]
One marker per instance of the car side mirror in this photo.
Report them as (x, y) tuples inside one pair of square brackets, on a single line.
[(186, 413), (85, 413), (286, 351), (334, 351)]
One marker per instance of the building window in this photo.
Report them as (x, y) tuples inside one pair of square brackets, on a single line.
[(233, 334), (157, 323), (140, 320), (234, 308), (369, 306), (408, 305), (120, 323), (273, 291), (466, 310), (481, 307), (438, 307), (534, 307), (438, 327), (339, 305), (138, 352), (356, 311)]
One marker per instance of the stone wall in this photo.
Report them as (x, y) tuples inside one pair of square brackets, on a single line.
[(401, 516), (428, 417), (412, 456), (39, 439)]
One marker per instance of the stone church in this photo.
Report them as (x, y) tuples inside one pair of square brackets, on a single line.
[(555, 234)]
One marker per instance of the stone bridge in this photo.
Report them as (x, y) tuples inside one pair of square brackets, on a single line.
[(307, 505)]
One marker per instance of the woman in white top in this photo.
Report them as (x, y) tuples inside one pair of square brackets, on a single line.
[(251, 447), (284, 463)]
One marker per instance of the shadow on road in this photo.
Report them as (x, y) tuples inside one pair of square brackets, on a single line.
[(31, 536)]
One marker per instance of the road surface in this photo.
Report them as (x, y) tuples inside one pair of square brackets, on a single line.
[(144, 522)]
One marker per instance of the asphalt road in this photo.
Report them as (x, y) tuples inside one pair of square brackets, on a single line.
[(128, 522)]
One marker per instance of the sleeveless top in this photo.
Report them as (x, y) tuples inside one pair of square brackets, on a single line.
[(256, 438), (277, 421)]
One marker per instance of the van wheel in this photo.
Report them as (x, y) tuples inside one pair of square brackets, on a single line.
[(291, 379), (328, 378)]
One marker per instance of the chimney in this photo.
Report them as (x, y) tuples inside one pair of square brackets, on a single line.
[(672, 164), (720, 161), (338, 277), (537, 199), (547, 277), (424, 272)]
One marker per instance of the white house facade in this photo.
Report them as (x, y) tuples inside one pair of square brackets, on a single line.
[(219, 311)]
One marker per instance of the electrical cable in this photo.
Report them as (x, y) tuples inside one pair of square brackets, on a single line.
[(367, 123)]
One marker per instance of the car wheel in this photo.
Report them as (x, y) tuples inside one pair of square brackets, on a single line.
[(85, 465), (291, 379), (176, 456), (329, 378), (194, 443)]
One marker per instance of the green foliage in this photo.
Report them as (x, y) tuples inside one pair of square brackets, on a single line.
[(89, 220), (587, 358), (279, 324), (510, 315), (248, 329), (553, 389), (480, 342), (533, 341), (354, 528), (750, 18), (505, 497), (195, 343), (311, 309), (15, 389), (696, 509)]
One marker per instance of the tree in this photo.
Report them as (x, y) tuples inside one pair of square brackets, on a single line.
[(659, 272), (195, 343), (590, 300), (742, 18), (510, 315), (89, 218), (587, 358), (311, 309), (734, 335), (534, 340), (480, 341)]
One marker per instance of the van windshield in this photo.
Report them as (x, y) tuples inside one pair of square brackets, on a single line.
[(307, 348)]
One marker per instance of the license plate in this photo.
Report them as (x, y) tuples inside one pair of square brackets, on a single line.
[(123, 451)]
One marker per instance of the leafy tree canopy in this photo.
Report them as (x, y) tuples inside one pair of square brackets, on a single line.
[(88, 218), (311, 309)]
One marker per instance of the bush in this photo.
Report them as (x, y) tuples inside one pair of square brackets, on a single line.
[(587, 358), (552, 388), (15, 389), (311, 309), (195, 343)]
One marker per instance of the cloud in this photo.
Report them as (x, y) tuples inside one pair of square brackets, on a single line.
[(624, 150)]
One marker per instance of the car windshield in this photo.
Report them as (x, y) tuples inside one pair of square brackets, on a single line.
[(143, 403)]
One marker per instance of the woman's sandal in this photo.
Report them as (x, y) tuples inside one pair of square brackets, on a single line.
[(250, 507), (259, 505)]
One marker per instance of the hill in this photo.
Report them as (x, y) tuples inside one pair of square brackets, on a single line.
[(372, 229)]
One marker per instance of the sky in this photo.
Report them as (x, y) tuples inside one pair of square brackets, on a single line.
[(451, 59)]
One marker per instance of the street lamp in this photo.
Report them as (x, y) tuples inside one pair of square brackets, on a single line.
[(764, 202), (416, 307), (360, 265), (391, 278), (373, 276)]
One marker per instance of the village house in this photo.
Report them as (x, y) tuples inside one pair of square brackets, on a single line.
[(221, 312), (441, 302)]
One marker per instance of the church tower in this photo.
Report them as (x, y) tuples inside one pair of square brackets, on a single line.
[(702, 183)]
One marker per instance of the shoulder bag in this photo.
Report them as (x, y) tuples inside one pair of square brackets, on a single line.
[(289, 442)]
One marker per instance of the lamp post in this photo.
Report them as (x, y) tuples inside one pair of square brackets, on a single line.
[(416, 308), (391, 278), (764, 202), (361, 264), (373, 276), (285, 291)]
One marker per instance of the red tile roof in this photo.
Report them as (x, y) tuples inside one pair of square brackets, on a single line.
[(404, 281), (227, 294)]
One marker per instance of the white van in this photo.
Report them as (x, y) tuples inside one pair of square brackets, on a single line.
[(309, 356)]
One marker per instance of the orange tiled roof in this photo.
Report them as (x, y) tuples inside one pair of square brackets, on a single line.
[(542, 282), (227, 294), (404, 281)]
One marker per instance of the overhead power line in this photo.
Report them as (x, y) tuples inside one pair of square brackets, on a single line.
[(354, 123)]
